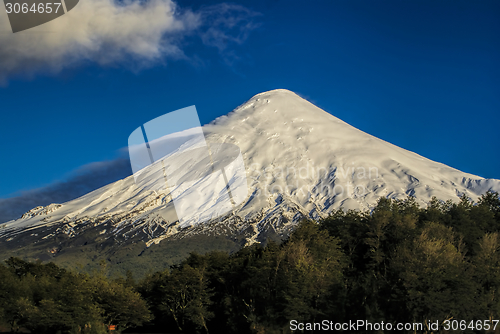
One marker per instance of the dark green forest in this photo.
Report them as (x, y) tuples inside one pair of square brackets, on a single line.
[(397, 263)]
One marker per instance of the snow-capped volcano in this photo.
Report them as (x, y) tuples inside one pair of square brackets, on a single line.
[(300, 162)]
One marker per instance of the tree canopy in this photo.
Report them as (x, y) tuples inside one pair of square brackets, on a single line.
[(397, 263)]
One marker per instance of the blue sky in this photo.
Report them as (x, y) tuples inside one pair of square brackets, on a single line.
[(422, 75)]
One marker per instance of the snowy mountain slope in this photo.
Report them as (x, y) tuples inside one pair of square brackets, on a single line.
[(300, 162)]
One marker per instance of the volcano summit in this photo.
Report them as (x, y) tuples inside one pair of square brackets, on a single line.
[(301, 162)]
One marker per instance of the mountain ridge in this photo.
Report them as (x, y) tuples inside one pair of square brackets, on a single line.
[(301, 162)]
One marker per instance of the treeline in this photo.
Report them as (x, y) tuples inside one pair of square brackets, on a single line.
[(45, 298), (399, 263)]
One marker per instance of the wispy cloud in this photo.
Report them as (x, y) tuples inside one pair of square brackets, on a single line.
[(80, 182), (133, 33), (229, 25)]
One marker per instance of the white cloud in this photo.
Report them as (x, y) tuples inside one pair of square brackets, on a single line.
[(109, 33)]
